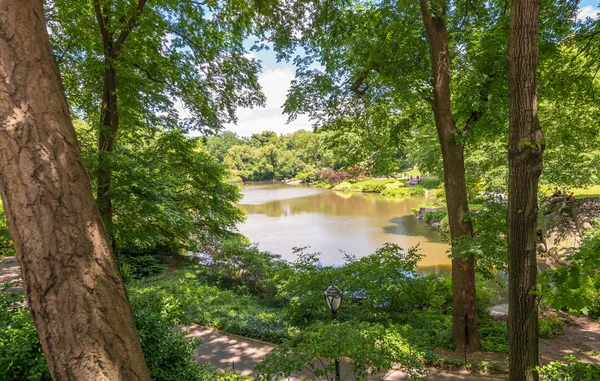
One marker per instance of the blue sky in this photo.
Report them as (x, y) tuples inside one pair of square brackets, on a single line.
[(276, 78)]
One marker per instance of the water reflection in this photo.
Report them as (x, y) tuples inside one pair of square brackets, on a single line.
[(282, 216)]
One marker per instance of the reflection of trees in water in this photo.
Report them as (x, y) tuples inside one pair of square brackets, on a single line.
[(336, 204), (408, 225)]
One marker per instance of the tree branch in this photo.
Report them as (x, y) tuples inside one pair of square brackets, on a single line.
[(102, 22), (128, 28)]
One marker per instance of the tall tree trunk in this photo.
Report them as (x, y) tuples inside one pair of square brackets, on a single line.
[(107, 134), (109, 113), (465, 333), (77, 299), (525, 148)]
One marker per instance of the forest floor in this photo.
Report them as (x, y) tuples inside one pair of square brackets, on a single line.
[(581, 338)]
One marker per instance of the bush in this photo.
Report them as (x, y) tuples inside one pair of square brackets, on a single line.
[(140, 267), (246, 267), (339, 177), (370, 348), (185, 299), (376, 186), (305, 177), (430, 183), (445, 225), (343, 187), (569, 370), (494, 336), (431, 217), (324, 174), (414, 191), (550, 327), (7, 248), (21, 356)]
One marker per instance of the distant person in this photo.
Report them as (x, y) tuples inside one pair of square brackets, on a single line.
[(556, 193), (570, 196)]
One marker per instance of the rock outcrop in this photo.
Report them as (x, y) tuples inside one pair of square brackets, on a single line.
[(564, 224)]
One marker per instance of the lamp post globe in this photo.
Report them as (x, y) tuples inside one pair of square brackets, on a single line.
[(333, 298)]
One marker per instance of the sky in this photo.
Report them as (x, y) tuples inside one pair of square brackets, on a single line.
[(276, 78)]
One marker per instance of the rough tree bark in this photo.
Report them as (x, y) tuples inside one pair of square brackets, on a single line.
[(75, 293), (109, 113), (465, 333), (525, 148)]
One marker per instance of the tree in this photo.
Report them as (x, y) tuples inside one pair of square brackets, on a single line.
[(465, 334), (138, 60), (525, 149), (375, 62), (167, 191), (73, 287)]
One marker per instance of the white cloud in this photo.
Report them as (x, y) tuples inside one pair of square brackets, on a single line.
[(275, 83), (588, 11)]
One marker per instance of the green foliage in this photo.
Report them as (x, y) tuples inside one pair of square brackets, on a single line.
[(413, 191), (7, 248), (138, 267), (181, 52), (576, 287), (494, 336), (489, 242), (549, 327), (21, 356), (248, 268), (430, 183), (166, 190), (431, 217), (376, 186), (370, 348), (186, 298), (167, 353), (569, 370)]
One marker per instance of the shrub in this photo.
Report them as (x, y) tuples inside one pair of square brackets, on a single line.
[(21, 356), (246, 267), (324, 174), (550, 327), (569, 370), (370, 348), (445, 225), (430, 183), (343, 187), (7, 248), (494, 336), (432, 217), (404, 192), (338, 177), (376, 186), (140, 267), (305, 177), (168, 354)]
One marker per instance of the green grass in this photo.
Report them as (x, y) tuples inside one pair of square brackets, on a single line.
[(413, 172), (591, 191)]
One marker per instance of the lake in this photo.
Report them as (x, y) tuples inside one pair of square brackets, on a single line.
[(281, 217)]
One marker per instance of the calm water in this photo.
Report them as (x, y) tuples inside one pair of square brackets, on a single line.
[(282, 216)]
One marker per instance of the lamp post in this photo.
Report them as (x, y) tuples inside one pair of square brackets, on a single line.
[(333, 298)]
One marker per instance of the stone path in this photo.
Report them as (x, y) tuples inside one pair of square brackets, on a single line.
[(10, 273), (241, 355)]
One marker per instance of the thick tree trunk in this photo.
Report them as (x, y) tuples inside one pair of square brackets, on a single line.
[(525, 148), (77, 299), (465, 333)]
